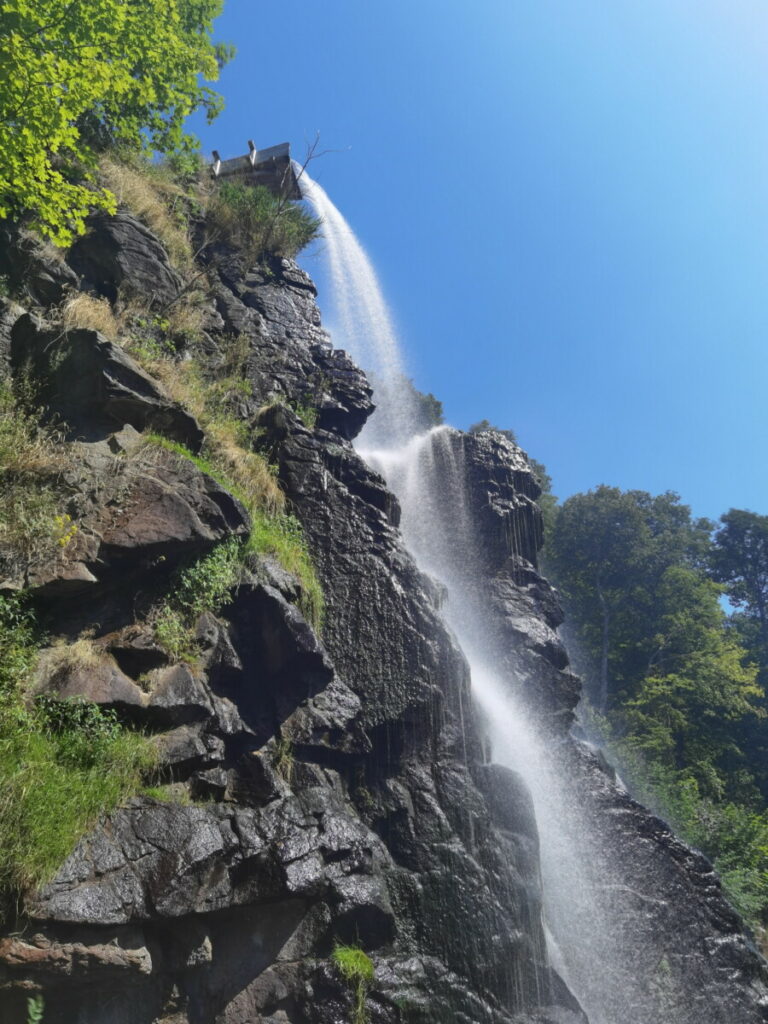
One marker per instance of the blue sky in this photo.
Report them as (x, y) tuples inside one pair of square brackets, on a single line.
[(567, 204)]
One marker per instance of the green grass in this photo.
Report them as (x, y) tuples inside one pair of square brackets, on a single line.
[(281, 535), (63, 763), (202, 586), (259, 222), (49, 800), (356, 968), (33, 522)]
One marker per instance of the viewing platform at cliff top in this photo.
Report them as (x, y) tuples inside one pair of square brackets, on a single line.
[(270, 167)]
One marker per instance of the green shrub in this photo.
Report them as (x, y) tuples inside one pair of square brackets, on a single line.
[(19, 643), (356, 968), (251, 217), (35, 1008)]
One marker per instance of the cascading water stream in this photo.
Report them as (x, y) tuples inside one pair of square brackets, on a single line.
[(363, 324), (426, 474)]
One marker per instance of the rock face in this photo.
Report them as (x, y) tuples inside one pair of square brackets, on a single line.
[(324, 789), (121, 254), (645, 930)]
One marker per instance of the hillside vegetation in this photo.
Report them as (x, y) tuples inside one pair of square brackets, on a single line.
[(668, 623)]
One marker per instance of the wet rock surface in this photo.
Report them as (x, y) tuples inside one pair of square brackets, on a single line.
[(322, 788), (662, 942)]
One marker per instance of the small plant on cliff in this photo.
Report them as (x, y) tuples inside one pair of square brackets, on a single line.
[(32, 523), (259, 222), (203, 586), (282, 758), (35, 1009), (356, 968), (274, 531)]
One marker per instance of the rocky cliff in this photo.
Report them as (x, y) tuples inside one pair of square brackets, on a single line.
[(314, 786)]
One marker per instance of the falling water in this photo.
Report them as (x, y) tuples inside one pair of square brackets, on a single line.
[(427, 475), (363, 324)]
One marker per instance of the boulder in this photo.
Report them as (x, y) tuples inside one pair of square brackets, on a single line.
[(94, 386), (120, 254)]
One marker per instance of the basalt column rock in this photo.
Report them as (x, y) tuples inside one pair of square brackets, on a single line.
[(663, 944)]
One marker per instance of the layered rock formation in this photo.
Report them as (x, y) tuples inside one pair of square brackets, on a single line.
[(325, 787)]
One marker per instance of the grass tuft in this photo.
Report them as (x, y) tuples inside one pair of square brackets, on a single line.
[(95, 314), (33, 524), (150, 192), (356, 968), (274, 531)]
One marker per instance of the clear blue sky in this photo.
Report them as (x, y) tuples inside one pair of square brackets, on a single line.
[(567, 204)]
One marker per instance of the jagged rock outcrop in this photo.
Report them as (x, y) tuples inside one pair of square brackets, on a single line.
[(324, 788), (344, 785), (119, 254), (93, 386)]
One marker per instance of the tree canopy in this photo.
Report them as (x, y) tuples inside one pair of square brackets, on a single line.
[(76, 75), (672, 680)]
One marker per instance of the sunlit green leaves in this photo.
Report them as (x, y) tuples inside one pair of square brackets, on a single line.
[(78, 74)]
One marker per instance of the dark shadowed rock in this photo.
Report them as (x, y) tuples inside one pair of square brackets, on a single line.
[(35, 269), (121, 253), (94, 386)]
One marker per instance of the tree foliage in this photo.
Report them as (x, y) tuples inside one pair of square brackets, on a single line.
[(76, 75), (482, 426), (740, 562), (609, 551), (672, 679)]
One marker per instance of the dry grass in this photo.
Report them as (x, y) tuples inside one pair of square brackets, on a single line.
[(150, 193), (33, 522), (185, 316), (25, 448), (44, 246), (95, 314)]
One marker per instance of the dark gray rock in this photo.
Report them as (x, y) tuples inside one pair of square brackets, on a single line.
[(35, 270), (290, 355), (119, 253), (94, 386), (177, 697)]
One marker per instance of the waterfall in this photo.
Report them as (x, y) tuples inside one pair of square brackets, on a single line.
[(428, 477), (362, 322)]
